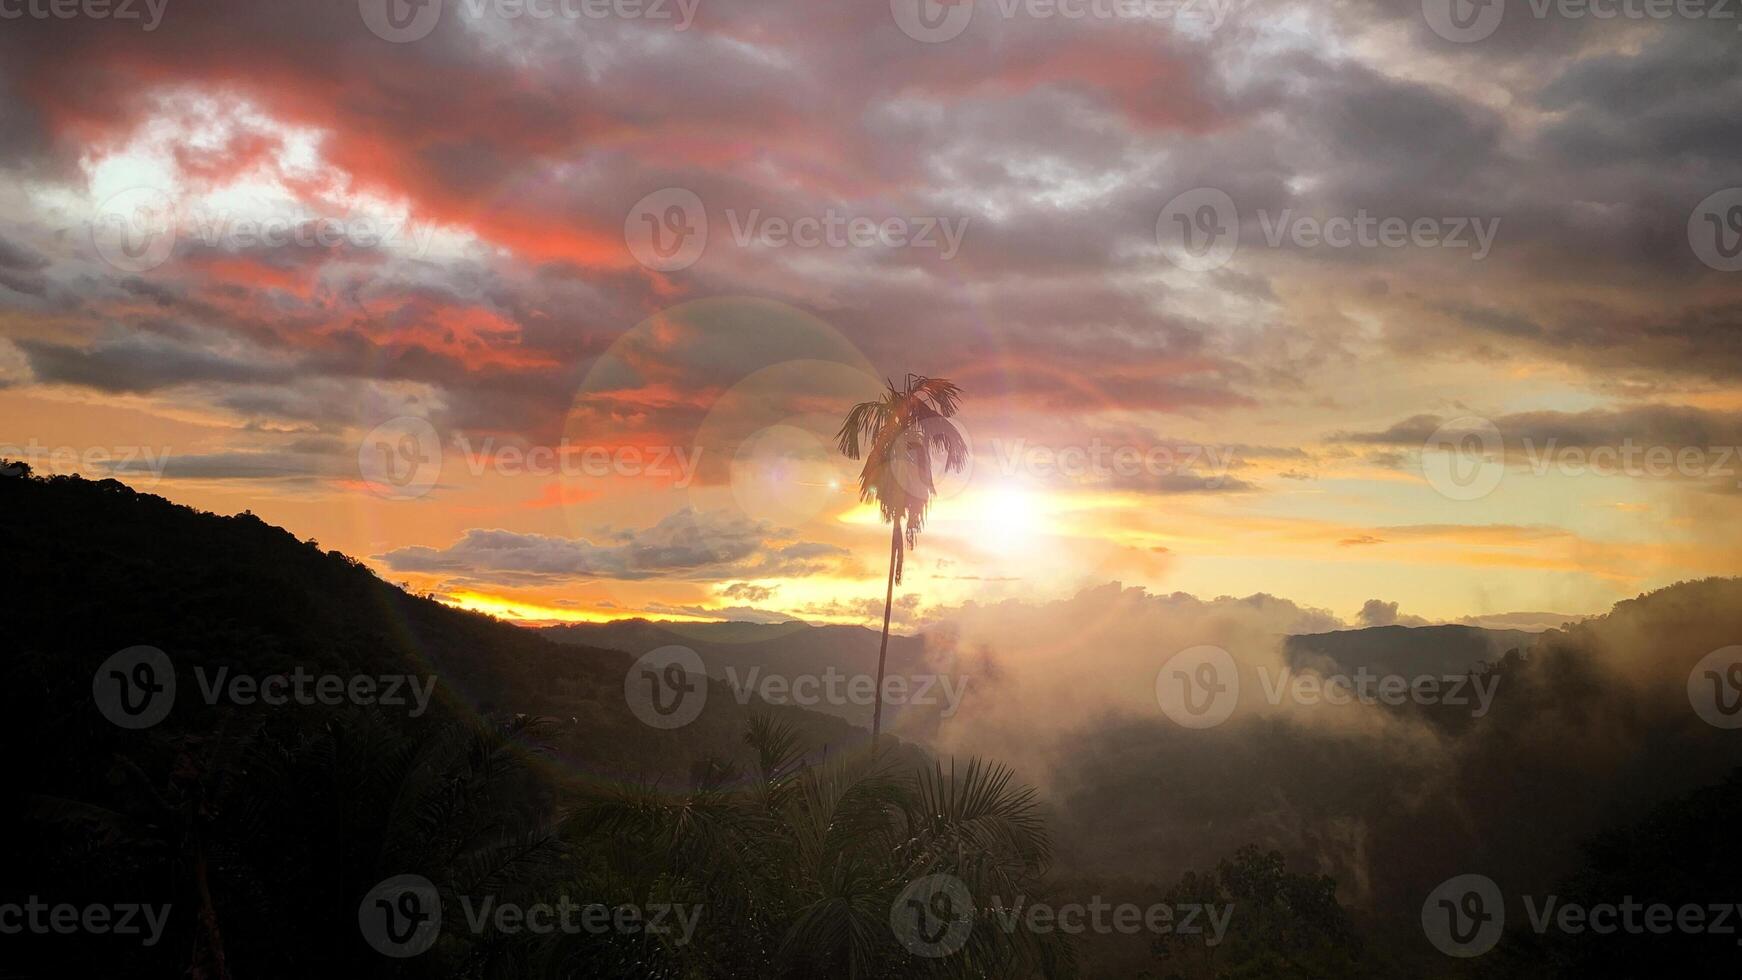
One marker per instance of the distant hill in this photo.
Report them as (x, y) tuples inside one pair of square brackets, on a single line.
[(1407, 650), (744, 653), (732, 650), (260, 828), (103, 568)]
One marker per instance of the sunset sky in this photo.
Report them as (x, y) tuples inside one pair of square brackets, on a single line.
[(258, 248)]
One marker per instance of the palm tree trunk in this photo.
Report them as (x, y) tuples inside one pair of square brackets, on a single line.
[(208, 960), (883, 647)]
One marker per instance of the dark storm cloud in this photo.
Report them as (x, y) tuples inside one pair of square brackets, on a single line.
[(1056, 142), (141, 363)]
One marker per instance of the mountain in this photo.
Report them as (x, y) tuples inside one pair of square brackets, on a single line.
[(1407, 650), (263, 830), (105, 568), (745, 655), (788, 647), (257, 820)]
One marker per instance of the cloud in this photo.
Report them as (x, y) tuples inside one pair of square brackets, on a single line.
[(1530, 622), (1655, 441), (1386, 799), (749, 592), (684, 544), (143, 362), (1377, 612), (734, 614), (1662, 425), (248, 465)]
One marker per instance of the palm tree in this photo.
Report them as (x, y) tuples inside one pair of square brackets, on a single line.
[(899, 431)]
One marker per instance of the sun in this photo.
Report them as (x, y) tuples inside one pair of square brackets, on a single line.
[(1014, 514)]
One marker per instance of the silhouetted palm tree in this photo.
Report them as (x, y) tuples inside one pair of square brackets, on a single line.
[(900, 430)]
